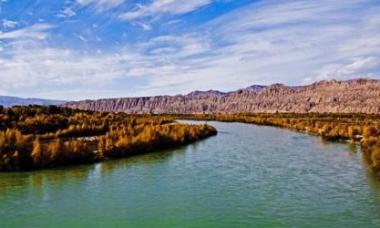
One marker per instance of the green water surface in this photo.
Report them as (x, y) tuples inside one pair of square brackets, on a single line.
[(247, 176)]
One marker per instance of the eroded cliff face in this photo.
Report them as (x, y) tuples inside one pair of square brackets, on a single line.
[(357, 96)]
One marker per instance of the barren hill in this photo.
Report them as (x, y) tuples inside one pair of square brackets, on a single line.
[(357, 96)]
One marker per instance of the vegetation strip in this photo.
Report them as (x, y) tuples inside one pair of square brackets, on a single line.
[(36, 137)]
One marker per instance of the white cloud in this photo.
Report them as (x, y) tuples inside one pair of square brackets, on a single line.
[(82, 38), (357, 67), (158, 7), (144, 26), (9, 24), (175, 47), (57, 68), (27, 64), (101, 5), (361, 64), (66, 13), (34, 32)]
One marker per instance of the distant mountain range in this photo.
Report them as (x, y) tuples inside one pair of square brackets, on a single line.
[(7, 101), (353, 96)]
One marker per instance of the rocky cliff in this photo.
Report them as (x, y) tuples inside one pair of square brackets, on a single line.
[(358, 96)]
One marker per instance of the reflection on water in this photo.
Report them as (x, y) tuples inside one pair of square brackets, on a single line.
[(248, 176), (35, 180), (107, 167)]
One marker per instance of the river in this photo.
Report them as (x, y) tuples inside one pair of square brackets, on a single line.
[(246, 176)]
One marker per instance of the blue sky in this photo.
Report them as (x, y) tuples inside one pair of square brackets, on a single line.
[(79, 49)]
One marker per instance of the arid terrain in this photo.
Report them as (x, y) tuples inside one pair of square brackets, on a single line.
[(353, 96)]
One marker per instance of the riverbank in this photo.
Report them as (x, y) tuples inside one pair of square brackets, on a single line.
[(361, 128)]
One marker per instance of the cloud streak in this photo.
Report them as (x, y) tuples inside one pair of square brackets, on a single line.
[(34, 32), (159, 7), (9, 24), (101, 5)]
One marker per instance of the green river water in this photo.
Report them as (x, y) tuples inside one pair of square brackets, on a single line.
[(246, 176)]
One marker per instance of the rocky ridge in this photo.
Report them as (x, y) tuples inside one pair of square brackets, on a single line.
[(352, 96)]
